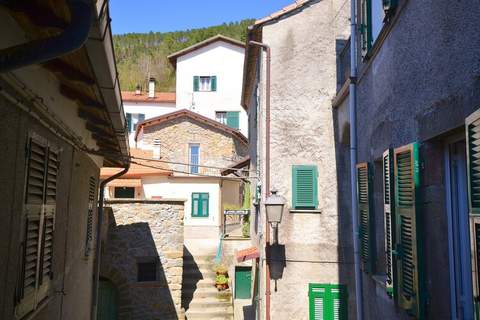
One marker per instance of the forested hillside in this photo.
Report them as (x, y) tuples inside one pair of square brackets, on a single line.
[(141, 55)]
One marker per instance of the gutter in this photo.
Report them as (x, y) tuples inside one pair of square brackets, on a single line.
[(98, 246), (43, 50), (353, 159), (267, 165)]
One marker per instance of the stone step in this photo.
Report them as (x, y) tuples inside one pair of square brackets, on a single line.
[(198, 274), (209, 302), (207, 292), (199, 259), (189, 283), (200, 317), (209, 313)]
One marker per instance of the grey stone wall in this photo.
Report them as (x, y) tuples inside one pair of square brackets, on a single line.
[(138, 231), (421, 83)]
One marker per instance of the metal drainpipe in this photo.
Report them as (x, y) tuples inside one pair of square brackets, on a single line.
[(267, 168), (43, 50), (353, 157), (96, 271)]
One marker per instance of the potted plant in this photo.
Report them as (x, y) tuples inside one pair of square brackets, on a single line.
[(221, 282), (221, 269)]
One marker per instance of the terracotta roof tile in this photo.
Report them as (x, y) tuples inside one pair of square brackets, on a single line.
[(160, 97)]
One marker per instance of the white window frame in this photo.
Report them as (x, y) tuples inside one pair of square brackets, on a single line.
[(205, 83)]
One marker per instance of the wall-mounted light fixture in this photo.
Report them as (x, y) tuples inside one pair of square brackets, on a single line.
[(274, 205)]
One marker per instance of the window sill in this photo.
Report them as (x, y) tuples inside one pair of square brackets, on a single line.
[(292, 210)]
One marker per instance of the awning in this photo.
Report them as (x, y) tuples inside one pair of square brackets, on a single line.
[(125, 183), (247, 254)]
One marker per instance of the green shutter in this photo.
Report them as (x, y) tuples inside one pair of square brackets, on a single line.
[(233, 120), (389, 221), (214, 83), (327, 302), (472, 129), (129, 122), (196, 83), (304, 181), (200, 204), (365, 216), (366, 26), (408, 230)]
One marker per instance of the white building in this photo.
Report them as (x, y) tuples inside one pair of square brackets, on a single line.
[(209, 80)]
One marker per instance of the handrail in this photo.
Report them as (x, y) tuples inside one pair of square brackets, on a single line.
[(218, 256)]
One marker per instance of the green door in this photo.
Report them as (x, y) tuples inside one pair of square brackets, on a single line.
[(107, 301), (243, 282)]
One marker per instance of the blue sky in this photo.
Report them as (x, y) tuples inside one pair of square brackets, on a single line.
[(164, 15)]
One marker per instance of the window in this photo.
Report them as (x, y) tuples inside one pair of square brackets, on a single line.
[(304, 190), (156, 148), (39, 225), (194, 157), (133, 119), (124, 192), (373, 16), (200, 204), (205, 83), (327, 302), (92, 187), (147, 271), (230, 118)]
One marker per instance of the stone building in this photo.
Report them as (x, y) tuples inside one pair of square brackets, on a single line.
[(314, 251), (418, 82), (59, 104), (142, 261)]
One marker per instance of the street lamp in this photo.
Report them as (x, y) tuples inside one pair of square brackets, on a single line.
[(274, 209)]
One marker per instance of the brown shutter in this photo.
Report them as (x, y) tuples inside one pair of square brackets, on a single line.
[(92, 187), (389, 220), (365, 216)]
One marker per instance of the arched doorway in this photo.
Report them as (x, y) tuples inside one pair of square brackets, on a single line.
[(107, 300)]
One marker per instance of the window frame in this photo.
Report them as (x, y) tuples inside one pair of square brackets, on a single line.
[(193, 167), (115, 192), (145, 277), (223, 119), (202, 196)]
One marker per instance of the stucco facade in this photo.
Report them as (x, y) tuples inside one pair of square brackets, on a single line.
[(316, 243), (419, 85)]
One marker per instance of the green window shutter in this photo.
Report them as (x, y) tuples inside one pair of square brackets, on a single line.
[(365, 216), (214, 83), (472, 129), (304, 181), (233, 120), (196, 83), (327, 302), (408, 230), (141, 117), (129, 122), (200, 204), (366, 26), (389, 221)]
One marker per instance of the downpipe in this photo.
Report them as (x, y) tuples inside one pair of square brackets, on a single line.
[(43, 50), (353, 158), (96, 271)]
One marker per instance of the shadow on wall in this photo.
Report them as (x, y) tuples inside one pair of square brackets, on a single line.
[(190, 277), (131, 262)]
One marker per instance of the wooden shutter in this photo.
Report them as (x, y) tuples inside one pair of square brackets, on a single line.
[(366, 26), (327, 302), (233, 120), (196, 83), (304, 180), (204, 204), (129, 122), (365, 216), (40, 206), (214, 83), (92, 188), (472, 129), (407, 229), (389, 221)]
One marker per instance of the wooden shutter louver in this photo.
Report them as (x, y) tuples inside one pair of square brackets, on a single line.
[(472, 130), (389, 220), (365, 216), (328, 302), (305, 187), (92, 187), (408, 265), (40, 205)]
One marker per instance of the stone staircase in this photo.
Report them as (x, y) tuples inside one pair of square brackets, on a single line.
[(200, 298)]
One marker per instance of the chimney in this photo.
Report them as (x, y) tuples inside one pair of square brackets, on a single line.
[(138, 90), (151, 88)]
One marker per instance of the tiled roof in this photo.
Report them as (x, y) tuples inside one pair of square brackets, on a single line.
[(192, 115), (160, 97), (291, 7), (238, 165), (173, 57)]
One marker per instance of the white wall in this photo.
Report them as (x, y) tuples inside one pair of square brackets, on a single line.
[(150, 110), (220, 59), (176, 187)]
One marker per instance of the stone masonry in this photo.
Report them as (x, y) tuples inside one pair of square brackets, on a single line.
[(141, 231)]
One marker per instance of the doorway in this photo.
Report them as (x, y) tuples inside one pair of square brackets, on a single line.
[(107, 301), (243, 282), (459, 239)]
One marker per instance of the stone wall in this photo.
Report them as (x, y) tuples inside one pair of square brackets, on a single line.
[(217, 147), (140, 231)]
